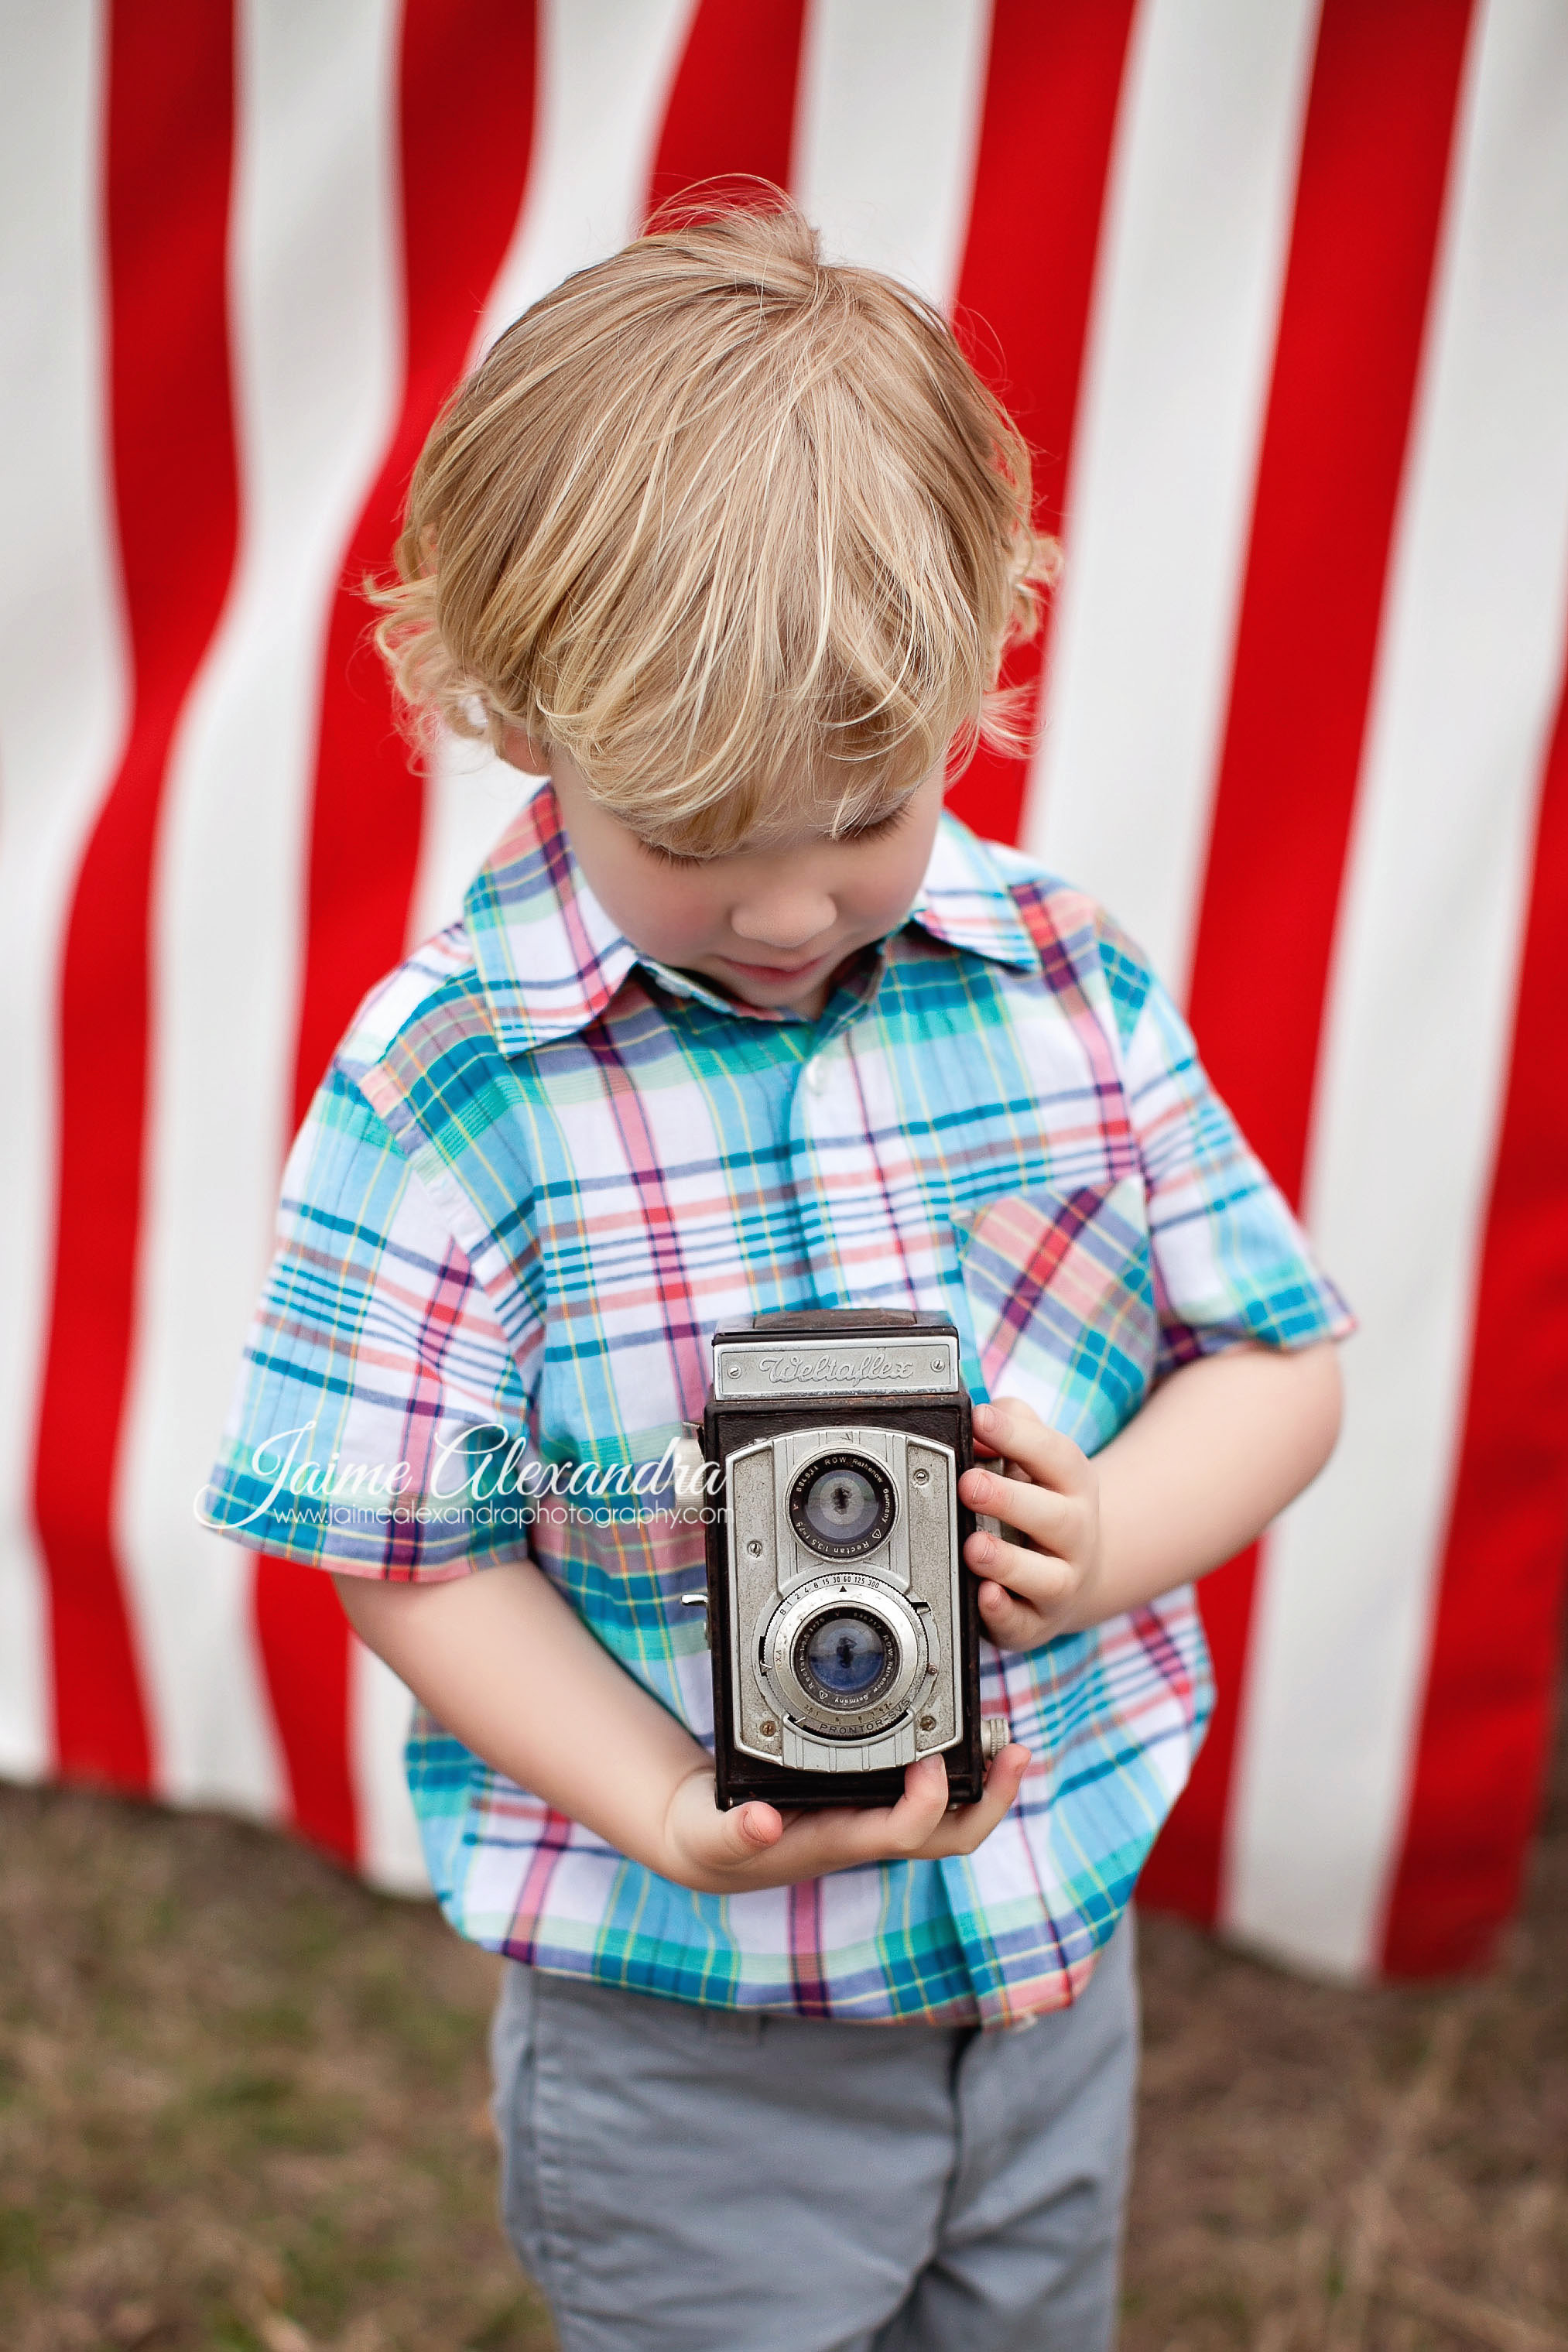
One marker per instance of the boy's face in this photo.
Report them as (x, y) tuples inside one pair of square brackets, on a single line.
[(771, 922)]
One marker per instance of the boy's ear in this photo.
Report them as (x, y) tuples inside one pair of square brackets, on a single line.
[(525, 752)]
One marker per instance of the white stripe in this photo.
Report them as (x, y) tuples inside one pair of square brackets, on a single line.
[(470, 798), (1420, 1018), (1160, 490), (317, 341), (390, 1853), (604, 70), (63, 694), (888, 124)]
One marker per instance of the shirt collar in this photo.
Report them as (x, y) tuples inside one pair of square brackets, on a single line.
[(550, 959)]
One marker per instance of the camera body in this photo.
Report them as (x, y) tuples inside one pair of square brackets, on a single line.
[(841, 1618)]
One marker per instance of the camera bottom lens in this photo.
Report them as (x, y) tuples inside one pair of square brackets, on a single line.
[(844, 1658)]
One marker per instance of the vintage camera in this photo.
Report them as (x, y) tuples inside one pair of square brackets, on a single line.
[(840, 1615)]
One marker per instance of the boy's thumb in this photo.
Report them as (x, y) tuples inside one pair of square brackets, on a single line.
[(757, 1827)]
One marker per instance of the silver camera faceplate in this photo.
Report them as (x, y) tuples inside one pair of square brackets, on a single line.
[(909, 1583), (779, 1368)]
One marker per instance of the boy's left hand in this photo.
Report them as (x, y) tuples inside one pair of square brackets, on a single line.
[(1046, 1583)]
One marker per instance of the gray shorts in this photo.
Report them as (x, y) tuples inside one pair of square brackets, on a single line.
[(687, 2179)]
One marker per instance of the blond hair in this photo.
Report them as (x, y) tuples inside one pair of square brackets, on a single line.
[(719, 518)]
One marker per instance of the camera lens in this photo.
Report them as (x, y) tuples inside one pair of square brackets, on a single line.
[(842, 1506), (844, 1658), (844, 1653)]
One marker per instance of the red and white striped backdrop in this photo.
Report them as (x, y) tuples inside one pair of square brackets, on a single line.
[(1280, 294)]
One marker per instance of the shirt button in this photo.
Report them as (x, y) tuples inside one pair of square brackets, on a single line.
[(817, 1073)]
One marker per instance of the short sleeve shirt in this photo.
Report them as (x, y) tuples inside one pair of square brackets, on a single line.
[(540, 1169)]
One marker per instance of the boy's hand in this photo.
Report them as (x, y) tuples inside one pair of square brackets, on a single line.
[(756, 1846), (509, 1668), (1047, 1583)]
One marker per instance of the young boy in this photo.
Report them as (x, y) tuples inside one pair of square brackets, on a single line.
[(729, 542)]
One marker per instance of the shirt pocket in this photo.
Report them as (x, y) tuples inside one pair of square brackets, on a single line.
[(1059, 1287)]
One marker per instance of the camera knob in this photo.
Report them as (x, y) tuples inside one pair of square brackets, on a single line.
[(995, 1734)]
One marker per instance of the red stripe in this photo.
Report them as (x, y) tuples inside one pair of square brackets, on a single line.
[(303, 1635), (170, 139), (1486, 1727), (808, 1980), (1369, 201), (466, 137), (466, 141), (732, 110), (1052, 86), (555, 1838)]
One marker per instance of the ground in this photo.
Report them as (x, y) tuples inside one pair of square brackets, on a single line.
[(242, 2106)]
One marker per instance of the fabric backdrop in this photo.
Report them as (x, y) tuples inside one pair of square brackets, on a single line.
[(1279, 293)]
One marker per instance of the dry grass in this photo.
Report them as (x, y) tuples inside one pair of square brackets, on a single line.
[(1327, 2170), (241, 2100), (242, 2106)]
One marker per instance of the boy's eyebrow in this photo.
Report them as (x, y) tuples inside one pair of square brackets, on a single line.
[(888, 816), (668, 849), (760, 840)]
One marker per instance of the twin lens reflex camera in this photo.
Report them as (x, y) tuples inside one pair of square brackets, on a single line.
[(841, 1618)]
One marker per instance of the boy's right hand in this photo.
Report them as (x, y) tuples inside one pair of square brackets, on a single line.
[(509, 1668), (756, 1846)]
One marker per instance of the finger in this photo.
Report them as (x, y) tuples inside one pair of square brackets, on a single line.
[(749, 1830), (1042, 1578), (1012, 1428), (839, 1838), (961, 1831), (922, 1806), (918, 1827), (1012, 1624), (1049, 1518), (904, 1827), (914, 1831)]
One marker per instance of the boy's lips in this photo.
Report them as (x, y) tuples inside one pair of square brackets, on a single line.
[(775, 970)]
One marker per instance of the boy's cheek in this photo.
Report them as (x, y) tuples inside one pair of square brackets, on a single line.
[(659, 912)]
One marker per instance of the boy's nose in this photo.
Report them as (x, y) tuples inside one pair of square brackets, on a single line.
[(786, 922)]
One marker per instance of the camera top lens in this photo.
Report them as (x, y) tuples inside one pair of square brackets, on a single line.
[(842, 1506)]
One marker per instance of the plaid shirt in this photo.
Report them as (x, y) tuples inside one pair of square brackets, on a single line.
[(541, 1169)]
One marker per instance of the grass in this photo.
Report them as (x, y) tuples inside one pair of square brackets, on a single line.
[(241, 2099), (1325, 2169), (242, 2106)]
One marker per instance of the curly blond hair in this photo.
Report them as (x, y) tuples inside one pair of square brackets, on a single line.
[(721, 521)]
